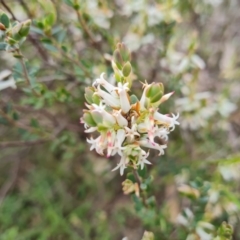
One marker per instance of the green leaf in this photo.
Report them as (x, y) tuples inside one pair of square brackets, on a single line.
[(50, 19), (5, 20)]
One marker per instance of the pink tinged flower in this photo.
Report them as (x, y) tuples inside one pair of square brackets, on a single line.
[(100, 143), (143, 159), (122, 164), (108, 98), (166, 97), (147, 127), (148, 144), (111, 137), (124, 101), (121, 121), (118, 148), (132, 132)]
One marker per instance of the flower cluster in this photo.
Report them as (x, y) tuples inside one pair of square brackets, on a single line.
[(126, 125)]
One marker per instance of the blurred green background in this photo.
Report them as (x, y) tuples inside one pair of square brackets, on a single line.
[(53, 187)]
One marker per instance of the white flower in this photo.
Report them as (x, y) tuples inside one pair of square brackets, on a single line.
[(143, 159), (122, 164), (122, 122), (125, 128), (117, 147)]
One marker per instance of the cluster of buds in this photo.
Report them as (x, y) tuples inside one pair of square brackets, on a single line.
[(127, 126)]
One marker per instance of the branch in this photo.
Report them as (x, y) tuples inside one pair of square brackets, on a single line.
[(139, 182), (35, 43)]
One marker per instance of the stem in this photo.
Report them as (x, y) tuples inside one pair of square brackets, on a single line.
[(25, 72), (84, 26), (139, 182)]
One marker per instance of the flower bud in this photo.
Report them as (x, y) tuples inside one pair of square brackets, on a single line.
[(117, 59), (127, 68), (155, 92), (14, 32), (25, 28), (90, 96), (124, 52)]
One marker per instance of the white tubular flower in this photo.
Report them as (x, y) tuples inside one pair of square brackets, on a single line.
[(121, 121), (143, 98), (148, 144), (143, 159), (126, 126), (111, 138), (108, 86), (118, 148), (122, 164), (108, 118), (108, 98), (124, 102), (169, 121)]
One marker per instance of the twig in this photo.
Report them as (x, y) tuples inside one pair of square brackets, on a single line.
[(139, 182), (18, 125), (26, 73), (9, 10), (35, 43), (84, 26)]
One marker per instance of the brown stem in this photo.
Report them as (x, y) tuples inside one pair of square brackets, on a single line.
[(8, 9), (139, 182)]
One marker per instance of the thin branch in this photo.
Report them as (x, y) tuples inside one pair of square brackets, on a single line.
[(85, 27), (25, 72), (18, 125), (35, 43), (139, 182), (9, 10)]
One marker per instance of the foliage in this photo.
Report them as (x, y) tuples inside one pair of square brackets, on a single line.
[(52, 186)]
